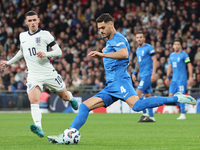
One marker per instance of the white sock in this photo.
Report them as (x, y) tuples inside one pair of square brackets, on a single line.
[(70, 96), (36, 114), (146, 114), (152, 118), (182, 115)]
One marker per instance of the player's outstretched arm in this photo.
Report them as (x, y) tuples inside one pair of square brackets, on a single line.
[(169, 70), (17, 57), (190, 69), (56, 52), (121, 54), (135, 71), (95, 54), (153, 76)]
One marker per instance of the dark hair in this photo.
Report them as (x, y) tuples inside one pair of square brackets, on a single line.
[(177, 40), (106, 17), (31, 13), (139, 32)]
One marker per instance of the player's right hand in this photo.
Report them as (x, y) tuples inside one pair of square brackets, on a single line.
[(95, 54), (167, 81), (4, 64), (41, 54), (133, 77)]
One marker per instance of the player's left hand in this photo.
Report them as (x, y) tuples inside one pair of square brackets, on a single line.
[(41, 54), (190, 81), (133, 77), (95, 54), (153, 77)]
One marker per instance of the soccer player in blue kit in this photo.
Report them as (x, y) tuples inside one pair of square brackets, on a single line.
[(177, 62), (147, 62), (118, 81)]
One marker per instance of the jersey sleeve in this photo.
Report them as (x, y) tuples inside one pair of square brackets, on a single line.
[(151, 51), (20, 39), (186, 58), (170, 62), (19, 54), (119, 44), (49, 39), (50, 42), (17, 57)]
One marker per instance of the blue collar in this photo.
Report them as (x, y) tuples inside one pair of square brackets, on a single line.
[(35, 32)]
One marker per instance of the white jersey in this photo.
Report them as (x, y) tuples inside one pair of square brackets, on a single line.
[(30, 44)]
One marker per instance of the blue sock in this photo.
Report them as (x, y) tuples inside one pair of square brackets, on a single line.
[(151, 102), (81, 118), (182, 107), (150, 110), (144, 111)]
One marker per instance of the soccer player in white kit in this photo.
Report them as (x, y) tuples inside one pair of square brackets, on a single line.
[(33, 47)]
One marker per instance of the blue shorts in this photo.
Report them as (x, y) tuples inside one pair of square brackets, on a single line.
[(178, 86), (117, 90), (145, 85)]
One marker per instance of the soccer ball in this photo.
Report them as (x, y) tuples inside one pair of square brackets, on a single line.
[(71, 136)]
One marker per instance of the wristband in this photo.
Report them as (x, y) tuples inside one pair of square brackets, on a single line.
[(167, 77), (134, 72)]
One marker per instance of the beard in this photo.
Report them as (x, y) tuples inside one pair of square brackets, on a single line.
[(177, 50), (140, 44), (108, 35)]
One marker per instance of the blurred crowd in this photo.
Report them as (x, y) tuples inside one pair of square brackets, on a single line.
[(72, 23)]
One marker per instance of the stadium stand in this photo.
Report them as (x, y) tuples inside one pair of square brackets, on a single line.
[(72, 23)]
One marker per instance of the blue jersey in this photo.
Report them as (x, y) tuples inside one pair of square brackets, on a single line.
[(115, 69), (178, 62), (144, 55), (119, 83)]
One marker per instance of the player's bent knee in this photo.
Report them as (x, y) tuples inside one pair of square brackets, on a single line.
[(136, 108), (34, 101)]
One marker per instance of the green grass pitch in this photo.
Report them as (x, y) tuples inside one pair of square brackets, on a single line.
[(103, 132)]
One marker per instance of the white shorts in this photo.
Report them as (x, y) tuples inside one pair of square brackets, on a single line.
[(53, 80)]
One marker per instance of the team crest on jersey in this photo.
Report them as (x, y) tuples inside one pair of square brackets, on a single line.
[(178, 59), (142, 52), (38, 40)]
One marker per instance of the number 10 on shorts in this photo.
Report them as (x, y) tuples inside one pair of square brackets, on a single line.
[(59, 80)]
